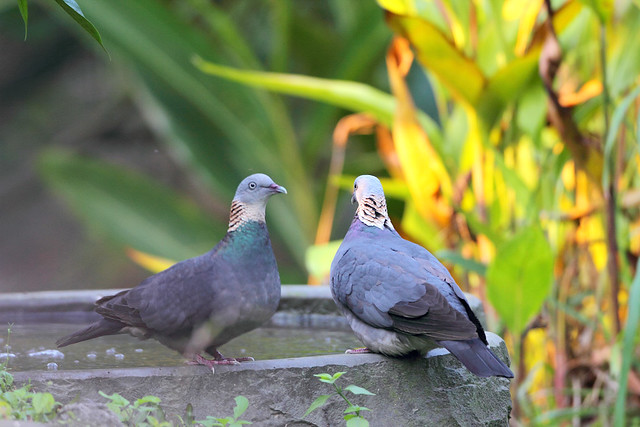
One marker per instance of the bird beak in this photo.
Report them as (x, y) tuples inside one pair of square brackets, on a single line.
[(353, 198), (278, 188)]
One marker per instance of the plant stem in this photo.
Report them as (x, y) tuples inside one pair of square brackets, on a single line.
[(610, 193), (339, 391)]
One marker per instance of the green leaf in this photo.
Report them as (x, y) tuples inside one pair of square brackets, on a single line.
[(354, 96), (242, 403), (147, 399), (357, 422), (129, 208), (355, 408), (115, 398), (505, 86), (358, 390), (628, 347), (73, 10), (318, 258), (24, 11), (337, 375), (43, 403), (320, 400), (323, 376), (602, 8), (520, 277)]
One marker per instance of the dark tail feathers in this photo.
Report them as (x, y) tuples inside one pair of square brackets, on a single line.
[(477, 357), (94, 330)]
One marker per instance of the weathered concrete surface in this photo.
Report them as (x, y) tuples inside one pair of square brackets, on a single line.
[(300, 305), (436, 391)]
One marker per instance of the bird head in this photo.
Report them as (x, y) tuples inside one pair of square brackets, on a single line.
[(250, 200), (256, 189), (372, 205)]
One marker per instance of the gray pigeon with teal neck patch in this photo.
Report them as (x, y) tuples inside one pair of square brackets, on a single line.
[(202, 303), (397, 297)]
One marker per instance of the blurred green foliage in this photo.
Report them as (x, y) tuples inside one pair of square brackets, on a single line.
[(528, 183)]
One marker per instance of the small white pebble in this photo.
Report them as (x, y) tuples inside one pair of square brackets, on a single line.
[(53, 366), (119, 356), (243, 350), (54, 354), (76, 361), (91, 356), (138, 350), (111, 351)]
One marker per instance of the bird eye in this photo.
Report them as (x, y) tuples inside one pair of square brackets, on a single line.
[(355, 186), (252, 185)]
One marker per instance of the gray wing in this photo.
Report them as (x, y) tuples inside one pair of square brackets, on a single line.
[(173, 300), (388, 289)]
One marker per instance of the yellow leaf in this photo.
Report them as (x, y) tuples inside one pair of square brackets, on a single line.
[(539, 348), (153, 263), (568, 175), (399, 7), (422, 168), (439, 55), (527, 12)]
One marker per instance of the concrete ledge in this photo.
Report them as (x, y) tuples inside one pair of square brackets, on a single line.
[(300, 306), (437, 391)]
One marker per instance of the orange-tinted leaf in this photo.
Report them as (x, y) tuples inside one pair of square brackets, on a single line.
[(589, 90), (422, 168)]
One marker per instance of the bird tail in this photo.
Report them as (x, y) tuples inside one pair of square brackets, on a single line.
[(94, 330), (477, 357)]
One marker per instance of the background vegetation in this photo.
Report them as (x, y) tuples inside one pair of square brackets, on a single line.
[(508, 132)]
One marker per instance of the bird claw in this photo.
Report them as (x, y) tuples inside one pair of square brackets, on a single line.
[(359, 350), (200, 360)]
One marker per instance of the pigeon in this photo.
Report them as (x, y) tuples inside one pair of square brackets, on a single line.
[(397, 297), (202, 303)]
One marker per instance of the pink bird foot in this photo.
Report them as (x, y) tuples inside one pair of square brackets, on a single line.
[(359, 350), (218, 359)]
